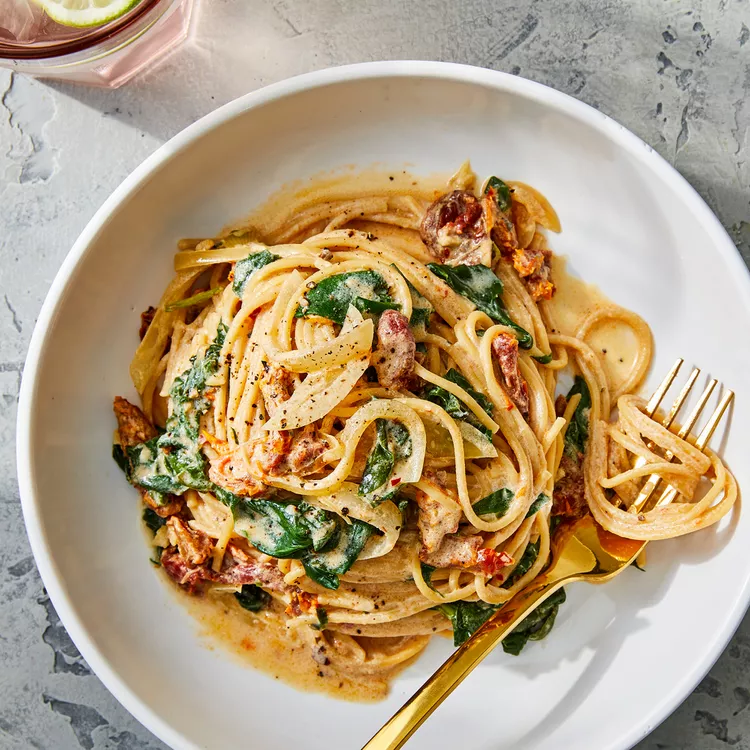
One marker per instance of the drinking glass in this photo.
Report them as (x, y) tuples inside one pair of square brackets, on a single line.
[(106, 55)]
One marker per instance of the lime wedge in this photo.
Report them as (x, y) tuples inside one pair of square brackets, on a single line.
[(82, 13)]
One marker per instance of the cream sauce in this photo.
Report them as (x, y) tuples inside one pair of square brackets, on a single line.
[(262, 641), (613, 340)]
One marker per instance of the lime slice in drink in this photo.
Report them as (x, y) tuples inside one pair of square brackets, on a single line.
[(85, 12)]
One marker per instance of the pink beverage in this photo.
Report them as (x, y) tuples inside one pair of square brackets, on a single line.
[(106, 55)]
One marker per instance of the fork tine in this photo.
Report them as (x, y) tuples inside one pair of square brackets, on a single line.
[(706, 433), (696, 412), (680, 400), (648, 489), (676, 406), (655, 401), (684, 431), (701, 442), (664, 386)]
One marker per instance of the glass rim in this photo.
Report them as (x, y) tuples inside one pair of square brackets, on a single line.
[(20, 51)]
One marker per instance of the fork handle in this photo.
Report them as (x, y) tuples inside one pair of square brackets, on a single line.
[(402, 725)]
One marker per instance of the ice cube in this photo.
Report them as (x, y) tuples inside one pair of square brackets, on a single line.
[(20, 20)]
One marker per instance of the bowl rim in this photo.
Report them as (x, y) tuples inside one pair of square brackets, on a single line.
[(171, 149)]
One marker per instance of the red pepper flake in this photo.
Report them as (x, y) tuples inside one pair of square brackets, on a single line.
[(395, 481)]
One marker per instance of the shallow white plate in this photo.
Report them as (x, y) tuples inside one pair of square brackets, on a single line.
[(622, 656)]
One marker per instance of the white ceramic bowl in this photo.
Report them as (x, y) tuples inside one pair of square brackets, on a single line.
[(622, 656)]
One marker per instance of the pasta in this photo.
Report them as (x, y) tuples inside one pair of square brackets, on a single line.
[(352, 425)]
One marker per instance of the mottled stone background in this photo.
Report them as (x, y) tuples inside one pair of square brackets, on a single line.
[(676, 72)]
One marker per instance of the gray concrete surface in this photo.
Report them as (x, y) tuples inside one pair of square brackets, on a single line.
[(677, 73)]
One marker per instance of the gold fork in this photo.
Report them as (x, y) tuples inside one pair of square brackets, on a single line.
[(575, 558)]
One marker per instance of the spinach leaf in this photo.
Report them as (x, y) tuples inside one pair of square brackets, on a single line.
[(525, 341), (524, 564), (326, 544), (333, 295), (420, 317), (152, 520), (535, 626), (421, 309), (165, 466), (501, 192), (399, 439), (322, 577), (454, 376), (577, 433), (392, 442), (137, 461), (427, 571), (326, 566), (121, 459), (545, 359), (454, 406), (536, 505), (480, 285), (156, 559), (252, 597), (196, 299), (171, 463), (496, 502), (245, 268), (554, 522), (499, 501), (380, 462), (322, 619), (194, 380), (466, 618), (373, 306), (477, 283), (283, 529)]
